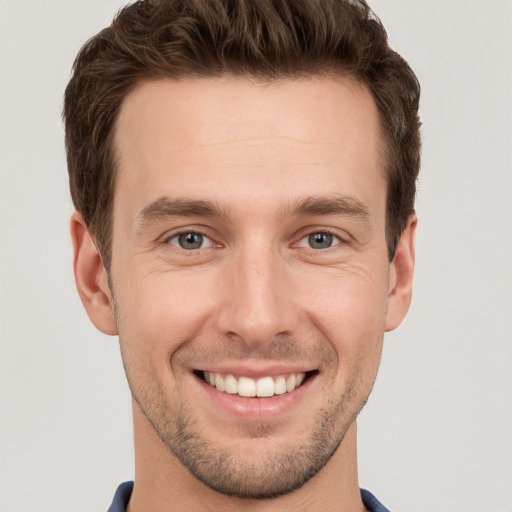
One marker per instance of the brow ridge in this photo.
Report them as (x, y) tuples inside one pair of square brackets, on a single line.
[(164, 207), (336, 204)]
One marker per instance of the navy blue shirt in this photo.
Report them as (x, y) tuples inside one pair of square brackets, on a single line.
[(124, 491)]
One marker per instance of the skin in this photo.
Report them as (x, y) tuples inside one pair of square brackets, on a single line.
[(256, 298)]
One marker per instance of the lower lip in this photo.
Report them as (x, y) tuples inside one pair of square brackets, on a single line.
[(257, 409)]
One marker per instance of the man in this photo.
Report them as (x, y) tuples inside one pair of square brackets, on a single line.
[(244, 179)]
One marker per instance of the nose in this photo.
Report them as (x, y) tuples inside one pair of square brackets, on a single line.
[(258, 300)]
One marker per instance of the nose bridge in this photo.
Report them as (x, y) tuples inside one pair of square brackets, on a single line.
[(257, 303)]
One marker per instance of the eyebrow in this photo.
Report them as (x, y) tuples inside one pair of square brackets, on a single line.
[(328, 205), (165, 207)]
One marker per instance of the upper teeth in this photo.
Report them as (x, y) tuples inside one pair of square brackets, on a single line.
[(263, 387)]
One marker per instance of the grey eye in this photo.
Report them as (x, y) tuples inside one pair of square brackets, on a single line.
[(320, 240), (189, 241)]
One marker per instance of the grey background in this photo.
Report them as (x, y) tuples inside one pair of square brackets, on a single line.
[(436, 434)]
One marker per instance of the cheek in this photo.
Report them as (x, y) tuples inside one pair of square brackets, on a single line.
[(350, 312), (162, 310), (355, 330)]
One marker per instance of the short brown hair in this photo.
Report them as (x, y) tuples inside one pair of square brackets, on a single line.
[(263, 39)]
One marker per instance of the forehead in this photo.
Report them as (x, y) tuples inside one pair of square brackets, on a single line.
[(252, 135), (307, 109)]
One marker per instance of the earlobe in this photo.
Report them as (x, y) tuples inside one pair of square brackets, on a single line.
[(91, 277), (401, 276)]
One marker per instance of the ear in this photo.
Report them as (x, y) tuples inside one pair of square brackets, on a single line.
[(401, 276), (91, 277)]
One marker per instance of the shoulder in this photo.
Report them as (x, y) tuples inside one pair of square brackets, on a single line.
[(371, 503), (124, 491), (121, 497)]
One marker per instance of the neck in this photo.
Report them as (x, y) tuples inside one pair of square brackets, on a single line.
[(163, 484)]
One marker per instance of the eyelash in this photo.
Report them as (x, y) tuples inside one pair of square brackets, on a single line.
[(168, 239), (337, 240)]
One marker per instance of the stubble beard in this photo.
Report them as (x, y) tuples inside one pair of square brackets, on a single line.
[(274, 474), (259, 475), (222, 469)]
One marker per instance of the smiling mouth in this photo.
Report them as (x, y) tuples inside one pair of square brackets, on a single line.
[(263, 387)]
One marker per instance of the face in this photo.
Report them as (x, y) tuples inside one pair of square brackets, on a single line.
[(250, 274)]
